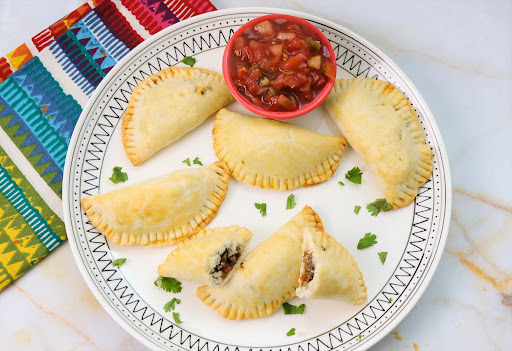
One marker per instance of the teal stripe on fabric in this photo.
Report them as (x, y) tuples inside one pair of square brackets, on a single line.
[(15, 195)]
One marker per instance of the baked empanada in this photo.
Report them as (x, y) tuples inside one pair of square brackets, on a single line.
[(168, 105), (328, 270), (381, 125), (273, 154), (162, 210), (208, 258), (268, 275)]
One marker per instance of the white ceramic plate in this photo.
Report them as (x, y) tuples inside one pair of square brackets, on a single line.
[(414, 236)]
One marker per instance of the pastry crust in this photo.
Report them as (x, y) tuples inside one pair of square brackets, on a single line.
[(167, 105), (335, 272), (381, 125), (195, 259), (272, 154), (162, 210), (268, 275)]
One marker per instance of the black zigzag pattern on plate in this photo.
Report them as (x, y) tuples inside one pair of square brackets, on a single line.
[(117, 290)]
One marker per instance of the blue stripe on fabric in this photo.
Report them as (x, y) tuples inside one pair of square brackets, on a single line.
[(114, 46)]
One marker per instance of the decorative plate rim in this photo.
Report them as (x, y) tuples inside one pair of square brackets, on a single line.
[(443, 232)]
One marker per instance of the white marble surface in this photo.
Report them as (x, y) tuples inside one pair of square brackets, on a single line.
[(459, 56)]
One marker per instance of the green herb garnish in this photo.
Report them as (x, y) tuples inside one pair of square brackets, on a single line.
[(382, 256), (189, 61), (262, 207), (291, 332), (356, 209), (359, 337), (186, 161), (354, 175), (341, 183), (197, 162), (119, 262), (118, 176), (168, 284), (291, 309), (290, 202), (379, 205), (390, 300), (367, 241), (171, 305), (176, 317)]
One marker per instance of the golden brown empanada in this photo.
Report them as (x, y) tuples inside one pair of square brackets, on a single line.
[(210, 257), (168, 105), (381, 125), (162, 210), (268, 275), (328, 270), (273, 154)]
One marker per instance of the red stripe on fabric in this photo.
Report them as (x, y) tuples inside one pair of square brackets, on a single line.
[(184, 9), (5, 69), (118, 25)]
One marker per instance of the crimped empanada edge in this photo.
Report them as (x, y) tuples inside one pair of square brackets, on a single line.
[(423, 169), (166, 238), (241, 173)]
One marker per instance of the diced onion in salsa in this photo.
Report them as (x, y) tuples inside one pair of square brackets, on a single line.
[(279, 65)]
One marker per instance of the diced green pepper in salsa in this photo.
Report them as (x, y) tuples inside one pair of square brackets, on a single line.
[(279, 65)]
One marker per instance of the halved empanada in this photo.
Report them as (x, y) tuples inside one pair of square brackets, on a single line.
[(268, 275), (381, 125), (273, 154), (328, 270), (168, 105), (162, 210), (208, 258)]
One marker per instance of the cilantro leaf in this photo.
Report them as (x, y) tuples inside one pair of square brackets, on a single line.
[(262, 207), (359, 337), (169, 306), (291, 332), (367, 241), (390, 300), (356, 209), (119, 262), (379, 205), (382, 256), (118, 176), (189, 61), (354, 175), (186, 161), (291, 309), (197, 162), (341, 183), (176, 317), (168, 284), (290, 202)]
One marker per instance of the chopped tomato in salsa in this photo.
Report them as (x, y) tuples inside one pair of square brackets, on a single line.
[(279, 65)]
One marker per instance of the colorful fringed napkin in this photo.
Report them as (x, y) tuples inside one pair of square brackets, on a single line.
[(44, 85)]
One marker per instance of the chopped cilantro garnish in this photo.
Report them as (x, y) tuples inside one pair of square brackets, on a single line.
[(291, 309), (186, 161), (171, 305), (290, 202), (118, 176), (390, 300), (119, 262), (176, 317), (262, 207), (354, 175), (367, 241), (291, 332), (359, 337), (189, 61), (382, 256), (197, 162), (341, 183), (168, 284), (379, 205), (356, 209)]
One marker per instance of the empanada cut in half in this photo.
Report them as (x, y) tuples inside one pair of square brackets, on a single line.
[(210, 257), (328, 271), (167, 105), (272, 154), (268, 275), (381, 126), (162, 210)]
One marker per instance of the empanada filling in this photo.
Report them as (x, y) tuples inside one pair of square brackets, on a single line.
[(309, 268), (225, 263)]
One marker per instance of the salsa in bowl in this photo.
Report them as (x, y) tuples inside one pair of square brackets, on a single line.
[(279, 66)]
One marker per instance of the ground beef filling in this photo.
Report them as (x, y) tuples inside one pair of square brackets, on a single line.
[(309, 268), (227, 260)]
